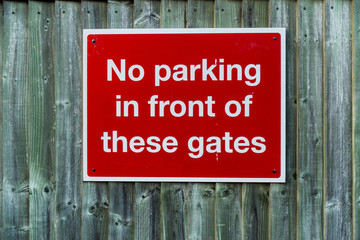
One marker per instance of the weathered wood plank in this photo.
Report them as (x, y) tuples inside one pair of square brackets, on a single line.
[(95, 195), (256, 196), (201, 195), (15, 152), (146, 13), (68, 79), (147, 195), (338, 120), (121, 195), (201, 14), (147, 211), (173, 13), (174, 208), (174, 211), (228, 13), (95, 211), (283, 197), (201, 211), (120, 14), (256, 13), (310, 120), (256, 211), (228, 211), (121, 211), (1, 117), (356, 119), (41, 115)]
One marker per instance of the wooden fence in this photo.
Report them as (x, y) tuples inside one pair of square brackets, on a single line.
[(43, 195)]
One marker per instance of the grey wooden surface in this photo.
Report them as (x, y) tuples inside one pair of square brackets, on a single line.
[(42, 192), (283, 197)]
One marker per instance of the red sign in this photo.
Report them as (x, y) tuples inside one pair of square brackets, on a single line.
[(191, 105)]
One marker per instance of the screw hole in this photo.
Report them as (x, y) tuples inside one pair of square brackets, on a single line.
[(274, 171), (93, 41)]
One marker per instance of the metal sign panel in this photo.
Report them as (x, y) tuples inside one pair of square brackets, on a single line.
[(190, 105)]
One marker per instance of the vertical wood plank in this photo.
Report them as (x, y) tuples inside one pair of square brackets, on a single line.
[(121, 211), (356, 119), (228, 211), (173, 13), (201, 14), (146, 13), (283, 197), (68, 84), (256, 13), (121, 195), (201, 195), (174, 207), (228, 13), (174, 211), (201, 211), (15, 135), (1, 117), (338, 120), (120, 14), (147, 211), (310, 117), (41, 119), (256, 196), (147, 195), (95, 195)]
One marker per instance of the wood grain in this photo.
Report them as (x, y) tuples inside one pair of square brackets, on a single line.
[(173, 14), (41, 113), (201, 211), (228, 14), (174, 202), (256, 196), (1, 117), (338, 120), (15, 122), (120, 14), (95, 201), (174, 214), (122, 202), (228, 211), (201, 195), (283, 197), (201, 14), (147, 195), (310, 117), (356, 119), (68, 88)]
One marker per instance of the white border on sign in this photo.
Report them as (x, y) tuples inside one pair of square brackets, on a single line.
[(281, 31)]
